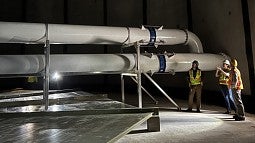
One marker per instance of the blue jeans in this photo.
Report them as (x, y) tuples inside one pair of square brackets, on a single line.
[(229, 100)]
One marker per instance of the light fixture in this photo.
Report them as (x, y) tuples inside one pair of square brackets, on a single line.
[(56, 76)]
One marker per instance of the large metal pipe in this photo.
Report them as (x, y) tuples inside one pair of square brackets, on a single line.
[(34, 33), (106, 63)]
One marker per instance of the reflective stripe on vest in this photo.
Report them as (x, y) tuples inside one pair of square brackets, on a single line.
[(197, 79), (239, 84), (239, 80), (223, 79)]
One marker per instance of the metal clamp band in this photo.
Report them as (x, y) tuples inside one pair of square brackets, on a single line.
[(162, 63), (153, 35)]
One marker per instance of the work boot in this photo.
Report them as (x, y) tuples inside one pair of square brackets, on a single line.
[(239, 118), (198, 110), (235, 116)]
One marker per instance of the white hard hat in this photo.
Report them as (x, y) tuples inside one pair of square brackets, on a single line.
[(226, 62)]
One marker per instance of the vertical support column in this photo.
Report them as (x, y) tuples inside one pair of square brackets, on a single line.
[(139, 77), (46, 77), (122, 88)]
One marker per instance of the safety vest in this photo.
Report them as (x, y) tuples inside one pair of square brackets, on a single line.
[(32, 79), (223, 79), (239, 84), (197, 79)]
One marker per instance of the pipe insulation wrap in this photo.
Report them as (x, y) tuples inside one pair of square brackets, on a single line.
[(34, 33), (116, 63)]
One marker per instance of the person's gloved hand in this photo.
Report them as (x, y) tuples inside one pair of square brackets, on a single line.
[(219, 68)]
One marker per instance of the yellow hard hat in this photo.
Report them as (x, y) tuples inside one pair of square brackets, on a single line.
[(234, 62)]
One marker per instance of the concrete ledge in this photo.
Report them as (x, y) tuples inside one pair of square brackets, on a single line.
[(153, 124)]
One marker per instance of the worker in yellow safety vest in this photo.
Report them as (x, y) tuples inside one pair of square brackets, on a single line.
[(236, 85), (31, 83), (223, 75), (195, 84), (32, 79)]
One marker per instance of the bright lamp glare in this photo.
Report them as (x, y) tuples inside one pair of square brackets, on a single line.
[(56, 76)]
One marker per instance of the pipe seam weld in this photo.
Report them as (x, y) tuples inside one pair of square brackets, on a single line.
[(187, 36), (44, 36), (128, 37)]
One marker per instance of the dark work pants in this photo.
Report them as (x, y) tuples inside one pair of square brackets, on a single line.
[(195, 90), (238, 101)]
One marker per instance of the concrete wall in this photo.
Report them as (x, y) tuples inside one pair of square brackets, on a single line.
[(251, 4), (89, 12), (169, 13), (44, 11), (125, 13), (219, 25), (11, 11)]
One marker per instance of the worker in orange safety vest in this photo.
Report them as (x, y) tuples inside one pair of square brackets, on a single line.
[(236, 85)]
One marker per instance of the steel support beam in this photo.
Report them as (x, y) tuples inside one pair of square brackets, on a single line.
[(46, 76), (161, 90), (122, 88), (139, 77), (156, 102)]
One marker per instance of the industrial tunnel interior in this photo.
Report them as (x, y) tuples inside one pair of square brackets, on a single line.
[(223, 26)]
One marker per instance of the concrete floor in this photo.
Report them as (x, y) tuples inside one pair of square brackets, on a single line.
[(210, 126)]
